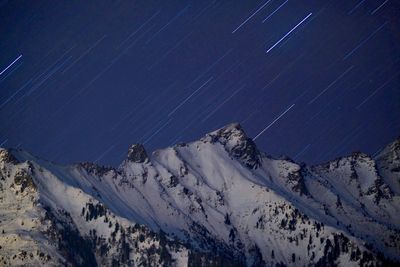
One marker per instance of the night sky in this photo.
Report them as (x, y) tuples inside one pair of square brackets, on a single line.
[(313, 80)]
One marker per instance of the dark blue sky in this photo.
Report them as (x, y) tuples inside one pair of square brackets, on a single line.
[(82, 80)]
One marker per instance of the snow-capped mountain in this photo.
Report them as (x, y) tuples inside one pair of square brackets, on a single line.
[(218, 201)]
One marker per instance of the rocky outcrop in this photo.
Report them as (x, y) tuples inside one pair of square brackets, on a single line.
[(137, 153)]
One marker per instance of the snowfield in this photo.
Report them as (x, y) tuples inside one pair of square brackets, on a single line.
[(218, 201)]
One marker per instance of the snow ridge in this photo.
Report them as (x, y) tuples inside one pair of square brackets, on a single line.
[(218, 200)]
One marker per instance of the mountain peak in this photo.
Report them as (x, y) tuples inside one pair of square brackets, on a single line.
[(232, 131), (137, 153), (201, 201), (237, 143), (7, 157), (392, 149)]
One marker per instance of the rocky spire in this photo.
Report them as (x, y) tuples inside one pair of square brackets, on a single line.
[(237, 144), (137, 153), (7, 157)]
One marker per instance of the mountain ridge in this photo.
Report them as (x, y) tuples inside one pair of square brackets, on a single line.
[(219, 200)]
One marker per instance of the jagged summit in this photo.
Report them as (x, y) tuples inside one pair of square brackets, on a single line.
[(137, 153), (391, 150), (237, 143), (226, 132), (388, 161), (7, 156), (229, 128)]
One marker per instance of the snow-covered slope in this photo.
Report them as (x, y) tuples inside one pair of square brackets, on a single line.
[(217, 201)]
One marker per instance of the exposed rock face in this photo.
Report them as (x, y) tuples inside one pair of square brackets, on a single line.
[(213, 202), (235, 141), (388, 162), (96, 169), (7, 157), (137, 153), (296, 180)]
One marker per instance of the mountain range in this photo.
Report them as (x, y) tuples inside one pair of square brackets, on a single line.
[(218, 201)]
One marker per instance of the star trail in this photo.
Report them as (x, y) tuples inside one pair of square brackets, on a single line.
[(10, 65), (272, 123), (289, 32), (312, 80)]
